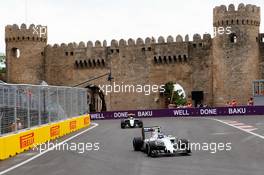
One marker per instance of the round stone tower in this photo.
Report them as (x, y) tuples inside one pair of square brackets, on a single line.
[(235, 52), (25, 53)]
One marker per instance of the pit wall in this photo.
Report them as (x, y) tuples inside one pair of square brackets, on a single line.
[(13, 144), (182, 112)]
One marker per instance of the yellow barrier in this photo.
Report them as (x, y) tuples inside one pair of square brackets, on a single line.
[(15, 143)]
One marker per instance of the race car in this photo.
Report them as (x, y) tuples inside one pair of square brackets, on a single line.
[(154, 143), (131, 122)]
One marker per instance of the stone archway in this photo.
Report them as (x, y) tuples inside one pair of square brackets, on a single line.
[(95, 99)]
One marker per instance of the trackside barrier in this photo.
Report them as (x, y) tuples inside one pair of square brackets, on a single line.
[(15, 143), (182, 112)]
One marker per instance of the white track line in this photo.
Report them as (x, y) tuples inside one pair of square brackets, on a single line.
[(237, 127), (44, 152), (246, 126)]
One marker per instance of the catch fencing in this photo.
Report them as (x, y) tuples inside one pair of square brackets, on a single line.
[(25, 106)]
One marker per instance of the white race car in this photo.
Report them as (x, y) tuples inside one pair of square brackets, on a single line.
[(155, 143), (131, 122)]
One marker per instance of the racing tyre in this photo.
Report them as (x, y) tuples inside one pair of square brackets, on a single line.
[(123, 124), (137, 143), (184, 144), (150, 150), (140, 124)]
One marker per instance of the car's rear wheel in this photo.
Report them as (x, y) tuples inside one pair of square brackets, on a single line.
[(123, 124), (140, 124), (185, 146), (137, 143)]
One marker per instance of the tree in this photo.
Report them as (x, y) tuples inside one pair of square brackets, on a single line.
[(2, 63), (174, 96)]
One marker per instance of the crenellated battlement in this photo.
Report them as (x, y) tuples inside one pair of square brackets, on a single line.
[(14, 33), (243, 15), (139, 42)]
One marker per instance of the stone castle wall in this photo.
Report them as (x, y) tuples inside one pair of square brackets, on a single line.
[(222, 70)]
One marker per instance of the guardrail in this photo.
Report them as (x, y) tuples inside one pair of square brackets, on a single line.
[(15, 143), (182, 112), (24, 106), (34, 114)]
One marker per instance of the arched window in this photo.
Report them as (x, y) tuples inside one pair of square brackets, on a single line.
[(90, 63), (85, 63), (184, 58), (155, 59), (15, 52), (233, 38), (174, 58), (81, 63), (170, 60), (160, 60), (76, 63), (180, 58), (165, 59)]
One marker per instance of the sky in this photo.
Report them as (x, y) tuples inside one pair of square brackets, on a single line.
[(84, 20)]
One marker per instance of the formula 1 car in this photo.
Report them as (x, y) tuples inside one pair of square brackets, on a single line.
[(154, 143), (131, 122)]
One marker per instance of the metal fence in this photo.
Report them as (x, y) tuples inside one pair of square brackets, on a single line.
[(26, 106)]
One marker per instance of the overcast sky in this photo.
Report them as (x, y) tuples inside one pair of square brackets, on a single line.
[(83, 20)]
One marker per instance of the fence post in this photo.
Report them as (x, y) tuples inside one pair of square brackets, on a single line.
[(58, 106), (64, 103), (28, 110), (39, 105), (15, 108), (71, 102), (48, 97)]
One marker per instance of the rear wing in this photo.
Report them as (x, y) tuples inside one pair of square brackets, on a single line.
[(150, 129)]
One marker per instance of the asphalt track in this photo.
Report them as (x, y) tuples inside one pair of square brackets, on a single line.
[(116, 155)]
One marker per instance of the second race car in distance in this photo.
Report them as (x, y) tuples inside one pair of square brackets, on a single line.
[(131, 122)]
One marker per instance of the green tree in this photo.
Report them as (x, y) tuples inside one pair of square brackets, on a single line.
[(2, 63), (174, 96)]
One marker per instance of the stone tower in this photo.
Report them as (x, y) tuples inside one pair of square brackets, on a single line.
[(235, 52), (25, 53)]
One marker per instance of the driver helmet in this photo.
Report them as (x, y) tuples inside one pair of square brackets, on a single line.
[(160, 135)]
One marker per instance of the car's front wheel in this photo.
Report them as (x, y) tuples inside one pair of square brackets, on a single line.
[(137, 143)]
